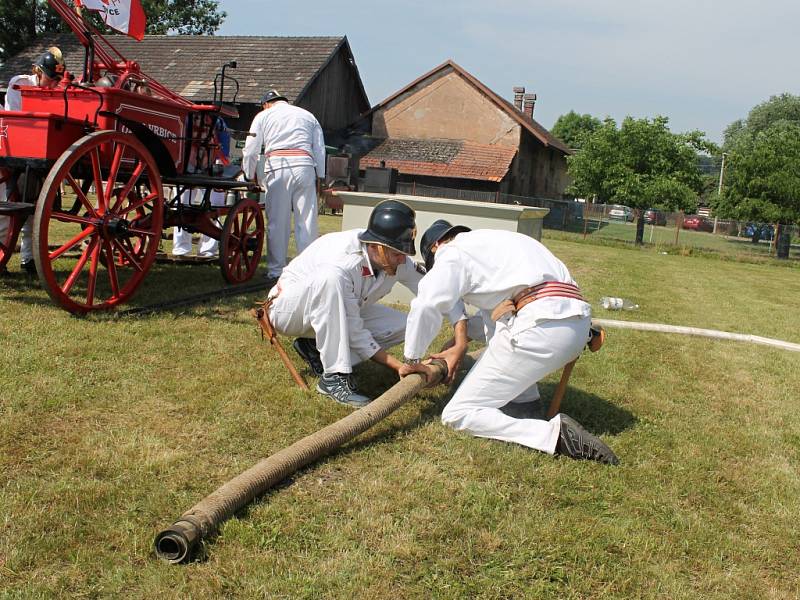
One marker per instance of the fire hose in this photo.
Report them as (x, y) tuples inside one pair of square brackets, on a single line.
[(178, 542), (709, 333)]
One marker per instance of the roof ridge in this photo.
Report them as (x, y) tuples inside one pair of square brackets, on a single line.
[(539, 131)]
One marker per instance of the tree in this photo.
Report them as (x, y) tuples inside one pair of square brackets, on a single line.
[(641, 164), (573, 128), (22, 21), (762, 177), (186, 17)]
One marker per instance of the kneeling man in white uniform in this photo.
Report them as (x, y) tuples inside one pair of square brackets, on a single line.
[(536, 321), (327, 296)]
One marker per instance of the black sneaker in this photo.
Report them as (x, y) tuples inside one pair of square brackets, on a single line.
[(337, 386), (307, 349), (29, 266), (574, 441)]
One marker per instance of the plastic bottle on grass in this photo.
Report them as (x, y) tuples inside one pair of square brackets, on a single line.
[(610, 303)]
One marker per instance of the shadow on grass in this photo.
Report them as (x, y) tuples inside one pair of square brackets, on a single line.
[(594, 413), (162, 284), (597, 415)]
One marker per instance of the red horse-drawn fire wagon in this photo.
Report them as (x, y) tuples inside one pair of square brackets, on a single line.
[(91, 158)]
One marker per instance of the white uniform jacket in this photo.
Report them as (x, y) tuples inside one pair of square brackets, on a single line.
[(483, 268), (347, 255), (286, 128), (14, 97)]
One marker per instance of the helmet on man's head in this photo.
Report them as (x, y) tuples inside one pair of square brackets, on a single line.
[(51, 63), (440, 230), (392, 224), (272, 96)]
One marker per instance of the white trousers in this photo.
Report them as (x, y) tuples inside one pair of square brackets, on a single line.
[(510, 366), (182, 239), (315, 309), (289, 189)]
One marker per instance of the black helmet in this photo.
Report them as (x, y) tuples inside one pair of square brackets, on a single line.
[(272, 96), (392, 224), (439, 230), (50, 64)]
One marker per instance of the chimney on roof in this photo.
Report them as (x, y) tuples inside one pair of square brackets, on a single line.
[(530, 101), (518, 93)]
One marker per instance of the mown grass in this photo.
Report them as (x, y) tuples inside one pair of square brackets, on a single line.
[(111, 427), (668, 239)]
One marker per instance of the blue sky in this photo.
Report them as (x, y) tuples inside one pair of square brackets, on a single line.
[(701, 63)]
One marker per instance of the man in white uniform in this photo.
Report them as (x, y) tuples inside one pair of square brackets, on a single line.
[(182, 239), (295, 158), (328, 297), (46, 73), (536, 321)]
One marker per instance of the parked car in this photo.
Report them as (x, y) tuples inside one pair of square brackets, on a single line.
[(620, 212), (764, 231), (654, 217), (697, 223)]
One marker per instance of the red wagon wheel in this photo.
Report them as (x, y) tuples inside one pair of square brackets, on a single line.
[(96, 257), (242, 241), (10, 221)]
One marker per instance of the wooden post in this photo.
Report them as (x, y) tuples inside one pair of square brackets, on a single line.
[(262, 316), (776, 230), (585, 221), (678, 225), (555, 403)]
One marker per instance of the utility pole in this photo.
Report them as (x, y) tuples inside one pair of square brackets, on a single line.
[(719, 188)]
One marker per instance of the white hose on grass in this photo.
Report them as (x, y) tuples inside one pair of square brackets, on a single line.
[(710, 333)]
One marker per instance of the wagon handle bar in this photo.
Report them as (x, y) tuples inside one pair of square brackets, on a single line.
[(88, 89)]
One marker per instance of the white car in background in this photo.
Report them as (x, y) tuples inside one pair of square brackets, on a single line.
[(620, 212)]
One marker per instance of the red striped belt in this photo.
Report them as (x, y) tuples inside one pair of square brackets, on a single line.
[(289, 152), (548, 289)]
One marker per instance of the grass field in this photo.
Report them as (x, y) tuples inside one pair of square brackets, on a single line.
[(665, 237), (111, 427)]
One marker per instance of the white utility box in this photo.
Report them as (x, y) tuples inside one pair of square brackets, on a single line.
[(475, 215)]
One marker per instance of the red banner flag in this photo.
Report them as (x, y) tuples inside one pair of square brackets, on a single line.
[(126, 16)]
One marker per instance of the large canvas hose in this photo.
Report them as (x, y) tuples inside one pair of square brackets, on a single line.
[(177, 543)]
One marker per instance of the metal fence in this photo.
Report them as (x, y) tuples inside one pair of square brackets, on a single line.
[(615, 222)]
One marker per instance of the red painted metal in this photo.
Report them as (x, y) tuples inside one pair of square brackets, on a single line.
[(242, 241), (106, 137), (120, 230), (9, 230)]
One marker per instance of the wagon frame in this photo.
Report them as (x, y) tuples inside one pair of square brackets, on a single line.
[(90, 159)]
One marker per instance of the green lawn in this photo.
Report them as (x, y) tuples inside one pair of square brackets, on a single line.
[(111, 427), (668, 236)]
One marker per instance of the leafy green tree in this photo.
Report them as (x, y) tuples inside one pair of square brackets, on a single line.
[(22, 21), (641, 164), (761, 176), (186, 17), (573, 128)]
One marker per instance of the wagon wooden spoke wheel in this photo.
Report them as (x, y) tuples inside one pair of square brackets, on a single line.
[(10, 220), (95, 257), (242, 241)]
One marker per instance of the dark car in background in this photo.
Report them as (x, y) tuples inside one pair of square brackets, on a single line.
[(653, 216), (759, 231), (697, 223)]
